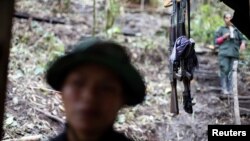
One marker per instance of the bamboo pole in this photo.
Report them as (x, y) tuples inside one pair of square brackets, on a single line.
[(235, 92)]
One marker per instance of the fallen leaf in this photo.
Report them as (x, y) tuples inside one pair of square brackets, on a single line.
[(54, 112), (9, 120), (61, 108), (121, 119), (30, 126), (15, 100)]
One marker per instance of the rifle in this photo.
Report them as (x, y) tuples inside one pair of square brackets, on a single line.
[(184, 58), (6, 13)]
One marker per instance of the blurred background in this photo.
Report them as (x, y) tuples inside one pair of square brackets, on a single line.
[(46, 29)]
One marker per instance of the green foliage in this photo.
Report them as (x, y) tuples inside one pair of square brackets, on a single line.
[(64, 5), (245, 56), (113, 10), (154, 2), (67, 3), (206, 20), (113, 31), (61, 6), (54, 48), (33, 49), (48, 42)]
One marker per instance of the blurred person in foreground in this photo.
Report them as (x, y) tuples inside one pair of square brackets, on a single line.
[(230, 42), (96, 80)]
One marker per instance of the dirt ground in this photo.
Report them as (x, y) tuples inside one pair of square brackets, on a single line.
[(32, 108)]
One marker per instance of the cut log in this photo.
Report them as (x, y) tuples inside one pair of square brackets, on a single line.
[(147, 9), (244, 102), (245, 105), (245, 110), (207, 72), (206, 77), (27, 16), (213, 89), (225, 97)]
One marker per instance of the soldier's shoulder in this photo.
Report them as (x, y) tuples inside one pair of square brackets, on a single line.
[(220, 28)]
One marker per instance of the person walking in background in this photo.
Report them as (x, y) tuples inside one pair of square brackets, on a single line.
[(230, 42)]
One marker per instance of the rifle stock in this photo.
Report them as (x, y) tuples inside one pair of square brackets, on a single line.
[(174, 99)]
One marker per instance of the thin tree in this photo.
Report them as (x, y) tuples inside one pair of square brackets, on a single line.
[(94, 18), (112, 11), (142, 5)]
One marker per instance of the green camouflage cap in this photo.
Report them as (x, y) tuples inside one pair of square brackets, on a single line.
[(106, 53)]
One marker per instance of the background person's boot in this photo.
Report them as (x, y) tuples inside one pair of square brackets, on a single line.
[(229, 86)]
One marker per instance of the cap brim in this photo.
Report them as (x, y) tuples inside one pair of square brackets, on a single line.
[(135, 86)]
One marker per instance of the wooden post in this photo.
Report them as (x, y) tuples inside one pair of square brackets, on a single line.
[(6, 13), (235, 92)]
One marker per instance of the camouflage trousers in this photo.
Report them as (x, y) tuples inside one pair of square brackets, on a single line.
[(226, 67)]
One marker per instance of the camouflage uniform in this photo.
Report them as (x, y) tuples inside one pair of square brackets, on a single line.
[(228, 53)]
